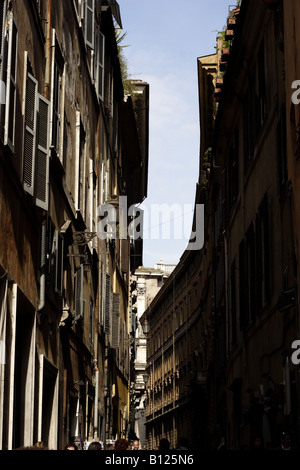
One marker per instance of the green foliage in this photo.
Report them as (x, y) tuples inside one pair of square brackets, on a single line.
[(127, 84)]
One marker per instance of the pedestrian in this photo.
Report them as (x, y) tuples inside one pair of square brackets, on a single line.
[(257, 444), (71, 446), (121, 444), (109, 447), (164, 444), (286, 442), (95, 445), (136, 444)]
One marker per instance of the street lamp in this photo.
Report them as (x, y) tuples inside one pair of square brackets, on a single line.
[(145, 377), (145, 327)]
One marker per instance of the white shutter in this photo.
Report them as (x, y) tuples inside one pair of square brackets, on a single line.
[(107, 311), (78, 289), (59, 263), (89, 22), (42, 154), (10, 110), (30, 133), (100, 66), (115, 327), (3, 64), (2, 34)]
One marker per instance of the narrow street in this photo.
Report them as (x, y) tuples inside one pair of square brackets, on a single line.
[(99, 350)]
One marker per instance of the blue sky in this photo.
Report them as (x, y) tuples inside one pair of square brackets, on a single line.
[(164, 39)]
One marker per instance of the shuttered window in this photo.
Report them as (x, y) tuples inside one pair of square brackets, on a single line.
[(36, 143), (107, 311), (42, 155), (59, 263), (100, 66), (89, 22), (30, 133), (115, 327), (10, 107), (78, 294), (56, 106), (57, 96)]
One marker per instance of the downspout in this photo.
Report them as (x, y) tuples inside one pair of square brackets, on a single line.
[(99, 307), (227, 326), (43, 265), (96, 431), (46, 91)]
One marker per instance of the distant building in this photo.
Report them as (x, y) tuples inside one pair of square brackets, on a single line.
[(145, 284)]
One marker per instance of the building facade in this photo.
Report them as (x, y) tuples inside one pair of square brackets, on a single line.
[(70, 143), (245, 317)]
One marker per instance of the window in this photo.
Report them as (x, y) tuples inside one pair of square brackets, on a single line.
[(89, 22), (264, 248), (9, 45), (91, 330), (55, 251), (36, 142), (78, 293), (107, 306), (59, 262), (255, 266), (233, 172), (57, 96), (115, 327), (249, 122), (80, 163), (247, 278), (100, 65), (261, 86)]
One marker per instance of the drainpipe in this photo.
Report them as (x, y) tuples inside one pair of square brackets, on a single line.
[(96, 431), (226, 294), (43, 266)]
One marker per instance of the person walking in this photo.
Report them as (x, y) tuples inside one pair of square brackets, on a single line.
[(136, 444)]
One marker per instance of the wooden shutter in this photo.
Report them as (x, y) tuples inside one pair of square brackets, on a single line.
[(30, 133), (78, 290), (10, 110), (115, 327), (100, 66), (89, 22), (59, 263), (56, 106), (107, 304), (42, 154)]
